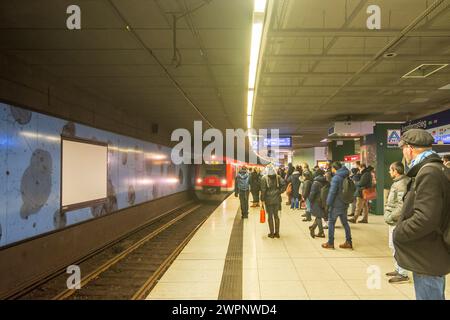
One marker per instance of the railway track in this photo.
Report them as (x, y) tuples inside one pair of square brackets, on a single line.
[(129, 268)]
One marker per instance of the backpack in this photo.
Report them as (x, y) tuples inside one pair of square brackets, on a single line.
[(446, 223), (324, 195), (348, 191)]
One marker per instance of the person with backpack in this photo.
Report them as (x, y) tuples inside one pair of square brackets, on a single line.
[(294, 181), (339, 197), (316, 199), (272, 186), (392, 211), (242, 190), (421, 237)]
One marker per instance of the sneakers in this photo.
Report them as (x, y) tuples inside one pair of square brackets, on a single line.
[(346, 245), (352, 220), (307, 219), (392, 274), (399, 279), (326, 245), (277, 235), (271, 235), (363, 221)]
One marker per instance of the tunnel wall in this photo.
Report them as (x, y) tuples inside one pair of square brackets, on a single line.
[(30, 165)]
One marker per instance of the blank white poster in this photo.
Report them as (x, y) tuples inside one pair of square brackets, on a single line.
[(84, 172)]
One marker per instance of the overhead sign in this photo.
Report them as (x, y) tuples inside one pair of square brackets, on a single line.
[(352, 158), (437, 124), (393, 137), (281, 142)]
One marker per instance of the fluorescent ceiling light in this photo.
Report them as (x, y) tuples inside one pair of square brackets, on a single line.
[(425, 70), (250, 102), (447, 87), (249, 122), (254, 53), (260, 6)]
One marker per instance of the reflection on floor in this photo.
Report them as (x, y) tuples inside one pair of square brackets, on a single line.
[(292, 267)]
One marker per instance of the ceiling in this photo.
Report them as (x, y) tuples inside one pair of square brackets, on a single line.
[(318, 65), (108, 60)]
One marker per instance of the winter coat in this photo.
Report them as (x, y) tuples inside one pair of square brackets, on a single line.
[(271, 189), (334, 200), (394, 202), (314, 196), (306, 188), (356, 178), (365, 182), (241, 182), (294, 179), (255, 181), (418, 239)]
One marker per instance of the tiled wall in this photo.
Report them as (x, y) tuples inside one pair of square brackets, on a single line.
[(30, 162)]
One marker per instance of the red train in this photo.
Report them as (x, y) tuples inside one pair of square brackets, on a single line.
[(215, 180)]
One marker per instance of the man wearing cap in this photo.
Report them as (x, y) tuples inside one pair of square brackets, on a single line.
[(418, 237)]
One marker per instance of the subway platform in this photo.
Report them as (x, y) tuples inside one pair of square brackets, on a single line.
[(230, 258)]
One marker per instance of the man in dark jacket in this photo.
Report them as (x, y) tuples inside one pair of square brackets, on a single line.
[(337, 207), (418, 236), (355, 176), (317, 207), (255, 186), (306, 189), (294, 180), (242, 189), (272, 186)]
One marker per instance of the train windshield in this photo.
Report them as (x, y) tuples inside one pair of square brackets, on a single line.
[(213, 170)]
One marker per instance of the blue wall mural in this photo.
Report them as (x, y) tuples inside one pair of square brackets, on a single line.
[(30, 162)]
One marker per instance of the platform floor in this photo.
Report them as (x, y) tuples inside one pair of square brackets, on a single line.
[(292, 267)]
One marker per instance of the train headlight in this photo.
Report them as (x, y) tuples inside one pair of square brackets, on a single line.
[(224, 181), (199, 180)]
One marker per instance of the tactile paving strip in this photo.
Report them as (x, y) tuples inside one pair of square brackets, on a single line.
[(231, 284)]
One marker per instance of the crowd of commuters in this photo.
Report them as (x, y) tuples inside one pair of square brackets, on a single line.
[(417, 210)]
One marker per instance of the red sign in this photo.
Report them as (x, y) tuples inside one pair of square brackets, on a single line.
[(355, 157)]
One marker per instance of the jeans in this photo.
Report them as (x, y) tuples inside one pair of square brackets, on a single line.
[(243, 197), (272, 212), (308, 209), (399, 269), (294, 203), (429, 287), (333, 215), (317, 223)]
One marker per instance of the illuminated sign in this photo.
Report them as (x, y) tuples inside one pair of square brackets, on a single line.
[(282, 142), (352, 158)]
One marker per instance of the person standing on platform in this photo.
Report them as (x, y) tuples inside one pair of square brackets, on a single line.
[(392, 212), (337, 206), (421, 237), (272, 186), (306, 189), (317, 205), (242, 189), (255, 186), (362, 205), (294, 180), (446, 159), (355, 176)]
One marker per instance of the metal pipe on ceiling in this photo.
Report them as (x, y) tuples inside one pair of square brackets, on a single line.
[(167, 73)]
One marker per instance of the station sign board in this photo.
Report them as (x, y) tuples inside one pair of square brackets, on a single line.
[(437, 124), (352, 158), (281, 142), (393, 138)]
